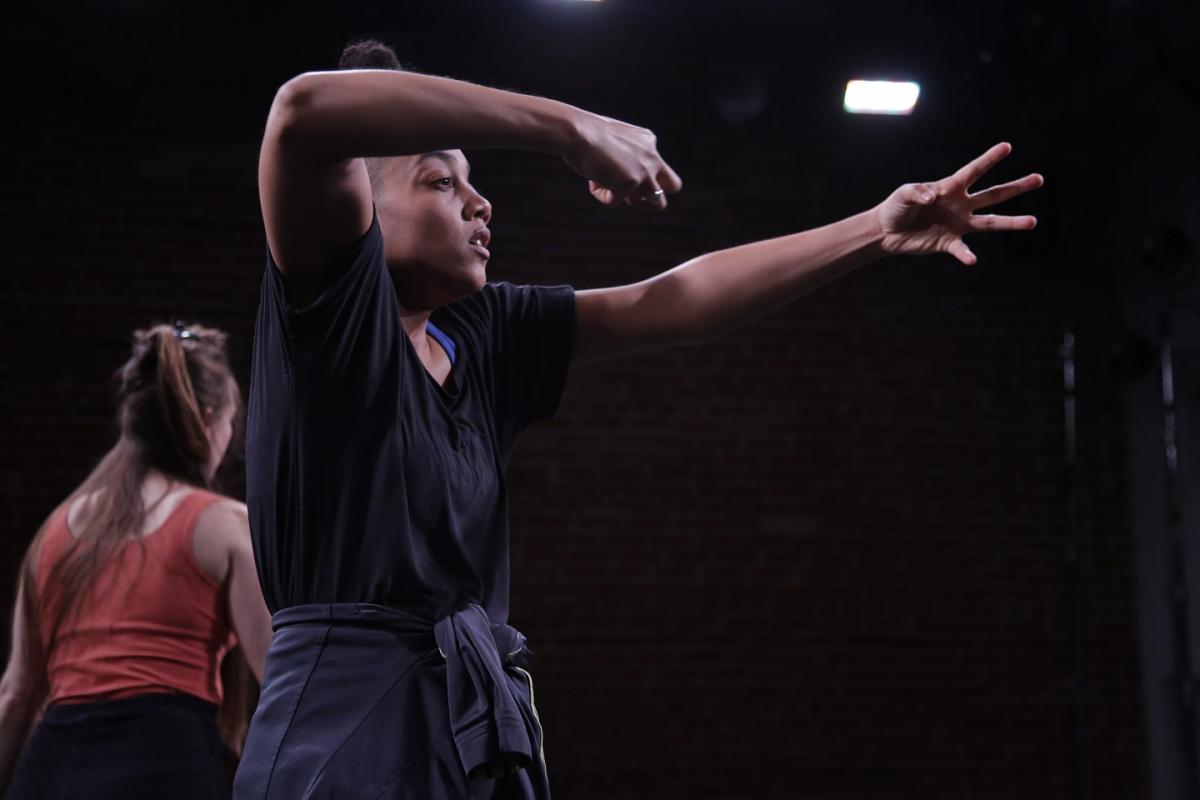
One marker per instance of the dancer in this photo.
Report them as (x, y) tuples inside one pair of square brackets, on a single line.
[(390, 383), (129, 596)]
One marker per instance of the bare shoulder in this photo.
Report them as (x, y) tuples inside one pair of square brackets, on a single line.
[(224, 517), (222, 529), (34, 552)]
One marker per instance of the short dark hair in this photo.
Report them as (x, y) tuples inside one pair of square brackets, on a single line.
[(369, 54)]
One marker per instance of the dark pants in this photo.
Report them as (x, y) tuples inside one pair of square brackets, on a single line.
[(153, 746), (362, 701)]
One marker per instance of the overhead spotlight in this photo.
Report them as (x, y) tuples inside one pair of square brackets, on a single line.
[(881, 97)]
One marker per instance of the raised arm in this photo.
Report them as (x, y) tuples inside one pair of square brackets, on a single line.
[(714, 293), (314, 186)]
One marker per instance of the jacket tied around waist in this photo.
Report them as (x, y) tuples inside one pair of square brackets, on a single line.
[(495, 728)]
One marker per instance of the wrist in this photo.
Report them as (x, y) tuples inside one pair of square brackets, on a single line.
[(555, 125), (873, 233)]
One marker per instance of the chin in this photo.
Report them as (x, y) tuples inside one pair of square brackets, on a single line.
[(464, 284), (471, 279), (480, 279), (431, 288)]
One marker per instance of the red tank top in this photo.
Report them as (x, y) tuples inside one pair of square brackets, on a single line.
[(152, 620)]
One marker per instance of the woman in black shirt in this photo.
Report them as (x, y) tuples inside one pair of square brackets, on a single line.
[(390, 382)]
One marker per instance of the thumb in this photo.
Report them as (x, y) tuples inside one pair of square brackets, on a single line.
[(958, 248), (605, 196)]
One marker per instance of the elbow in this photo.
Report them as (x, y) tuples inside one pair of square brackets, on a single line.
[(296, 95), (296, 103), (20, 700), (258, 665)]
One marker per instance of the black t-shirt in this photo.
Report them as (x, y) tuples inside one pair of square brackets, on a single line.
[(366, 480)]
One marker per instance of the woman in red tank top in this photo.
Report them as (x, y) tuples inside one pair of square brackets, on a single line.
[(132, 596)]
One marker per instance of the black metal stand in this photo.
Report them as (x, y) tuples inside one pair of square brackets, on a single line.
[(1185, 676), (1074, 552)]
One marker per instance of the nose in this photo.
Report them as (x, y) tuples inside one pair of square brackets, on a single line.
[(478, 207)]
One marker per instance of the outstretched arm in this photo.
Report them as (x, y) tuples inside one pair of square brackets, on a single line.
[(716, 292)]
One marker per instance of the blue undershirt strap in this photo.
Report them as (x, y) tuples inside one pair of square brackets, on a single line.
[(442, 339)]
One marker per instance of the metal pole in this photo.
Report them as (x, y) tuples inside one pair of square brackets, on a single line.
[(1185, 678), (1073, 557)]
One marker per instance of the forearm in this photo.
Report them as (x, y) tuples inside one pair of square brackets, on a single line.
[(715, 293), (375, 113), (17, 714)]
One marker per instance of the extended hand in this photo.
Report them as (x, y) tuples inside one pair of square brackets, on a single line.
[(621, 163), (933, 217)]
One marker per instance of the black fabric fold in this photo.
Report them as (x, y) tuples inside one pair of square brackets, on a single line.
[(495, 728)]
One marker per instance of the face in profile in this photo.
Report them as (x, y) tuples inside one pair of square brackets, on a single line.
[(435, 228), (219, 430)]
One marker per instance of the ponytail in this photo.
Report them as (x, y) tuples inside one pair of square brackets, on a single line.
[(181, 414)]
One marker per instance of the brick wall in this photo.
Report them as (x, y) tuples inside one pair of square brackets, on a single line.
[(821, 558)]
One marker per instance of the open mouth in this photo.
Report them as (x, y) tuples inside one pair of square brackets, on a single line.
[(479, 240)]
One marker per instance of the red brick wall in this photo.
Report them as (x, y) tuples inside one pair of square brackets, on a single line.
[(821, 558)]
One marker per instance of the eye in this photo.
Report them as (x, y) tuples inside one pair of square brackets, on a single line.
[(444, 183)]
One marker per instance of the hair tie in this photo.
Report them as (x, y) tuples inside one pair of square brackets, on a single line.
[(182, 331)]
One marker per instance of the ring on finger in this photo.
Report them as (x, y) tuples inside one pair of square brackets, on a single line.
[(655, 196)]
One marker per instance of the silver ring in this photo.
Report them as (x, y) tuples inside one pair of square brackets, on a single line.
[(653, 196)]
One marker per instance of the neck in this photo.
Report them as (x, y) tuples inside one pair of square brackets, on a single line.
[(436, 361), (416, 325), (414, 322), (157, 483)]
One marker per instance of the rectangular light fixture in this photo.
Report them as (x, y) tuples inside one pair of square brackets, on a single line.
[(881, 97)]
